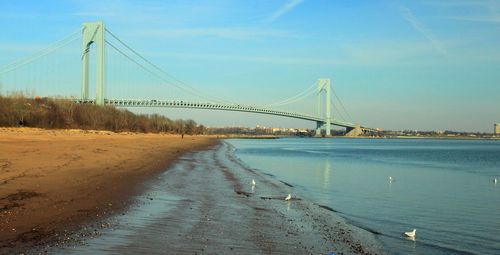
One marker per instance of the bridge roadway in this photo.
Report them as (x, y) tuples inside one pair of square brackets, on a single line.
[(212, 106)]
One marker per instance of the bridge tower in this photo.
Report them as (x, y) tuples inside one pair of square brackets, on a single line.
[(323, 85), (93, 32)]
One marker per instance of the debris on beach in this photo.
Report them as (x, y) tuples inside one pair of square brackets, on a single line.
[(326, 207), (287, 184), (244, 193)]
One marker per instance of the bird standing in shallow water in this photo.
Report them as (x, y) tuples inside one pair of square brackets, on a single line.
[(254, 183), (287, 198), (391, 179), (410, 234), (495, 180)]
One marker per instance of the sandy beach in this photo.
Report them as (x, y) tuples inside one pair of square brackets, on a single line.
[(53, 181), (64, 191)]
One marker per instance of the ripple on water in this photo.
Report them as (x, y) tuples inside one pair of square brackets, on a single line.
[(444, 188)]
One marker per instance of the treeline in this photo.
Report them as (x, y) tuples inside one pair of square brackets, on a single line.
[(18, 110)]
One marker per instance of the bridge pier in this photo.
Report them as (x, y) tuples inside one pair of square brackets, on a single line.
[(322, 125), (318, 129)]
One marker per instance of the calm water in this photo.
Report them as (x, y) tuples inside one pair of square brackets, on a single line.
[(443, 188)]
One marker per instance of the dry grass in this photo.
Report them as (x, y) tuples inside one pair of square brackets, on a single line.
[(48, 113)]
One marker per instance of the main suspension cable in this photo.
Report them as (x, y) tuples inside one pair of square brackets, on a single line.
[(192, 90), (295, 98), (39, 54), (342, 105), (153, 72)]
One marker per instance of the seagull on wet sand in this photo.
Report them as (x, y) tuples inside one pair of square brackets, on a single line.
[(287, 198), (254, 183), (410, 234)]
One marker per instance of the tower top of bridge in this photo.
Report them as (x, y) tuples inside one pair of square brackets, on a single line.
[(93, 32)]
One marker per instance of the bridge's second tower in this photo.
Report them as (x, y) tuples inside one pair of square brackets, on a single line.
[(323, 85), (93, 32)]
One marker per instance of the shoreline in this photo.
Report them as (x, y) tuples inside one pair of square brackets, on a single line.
[(265, 137), (205, 204), (54, 181), (73, 212)]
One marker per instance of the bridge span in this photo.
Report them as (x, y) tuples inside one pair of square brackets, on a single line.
[(223, 107)]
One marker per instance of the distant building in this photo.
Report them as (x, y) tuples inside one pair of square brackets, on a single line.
[(497, 129)]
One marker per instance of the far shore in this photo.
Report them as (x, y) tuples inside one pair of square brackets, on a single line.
[(435, 137), (359, 137), (53, 181)]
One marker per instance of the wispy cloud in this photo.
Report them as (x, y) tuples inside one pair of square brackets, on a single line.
[(389, 53), (284, 9), (226, 33), (95, 14), (381, 53), (477, 10), (130, 12), (486, 19), (424, 30), (279, 60)]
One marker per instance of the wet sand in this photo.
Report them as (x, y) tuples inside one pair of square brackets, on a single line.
[(205, 204), (54, 181)]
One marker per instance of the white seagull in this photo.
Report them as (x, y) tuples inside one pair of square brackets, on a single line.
[(254, 183), (287, 198), (391, 179), (411, 234), (495, 180)]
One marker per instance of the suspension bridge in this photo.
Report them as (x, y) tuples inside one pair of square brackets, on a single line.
[(98, 42)]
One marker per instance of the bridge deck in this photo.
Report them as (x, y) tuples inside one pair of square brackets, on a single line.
[(212, 106)]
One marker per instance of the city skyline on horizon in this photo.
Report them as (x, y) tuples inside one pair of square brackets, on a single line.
[(411, 65)]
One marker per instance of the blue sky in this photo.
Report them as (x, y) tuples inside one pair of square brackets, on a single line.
[(426, 65)]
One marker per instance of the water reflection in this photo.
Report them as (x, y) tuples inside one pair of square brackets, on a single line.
[(411, 244), (391, 180), (327, 174), (411, 238)]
